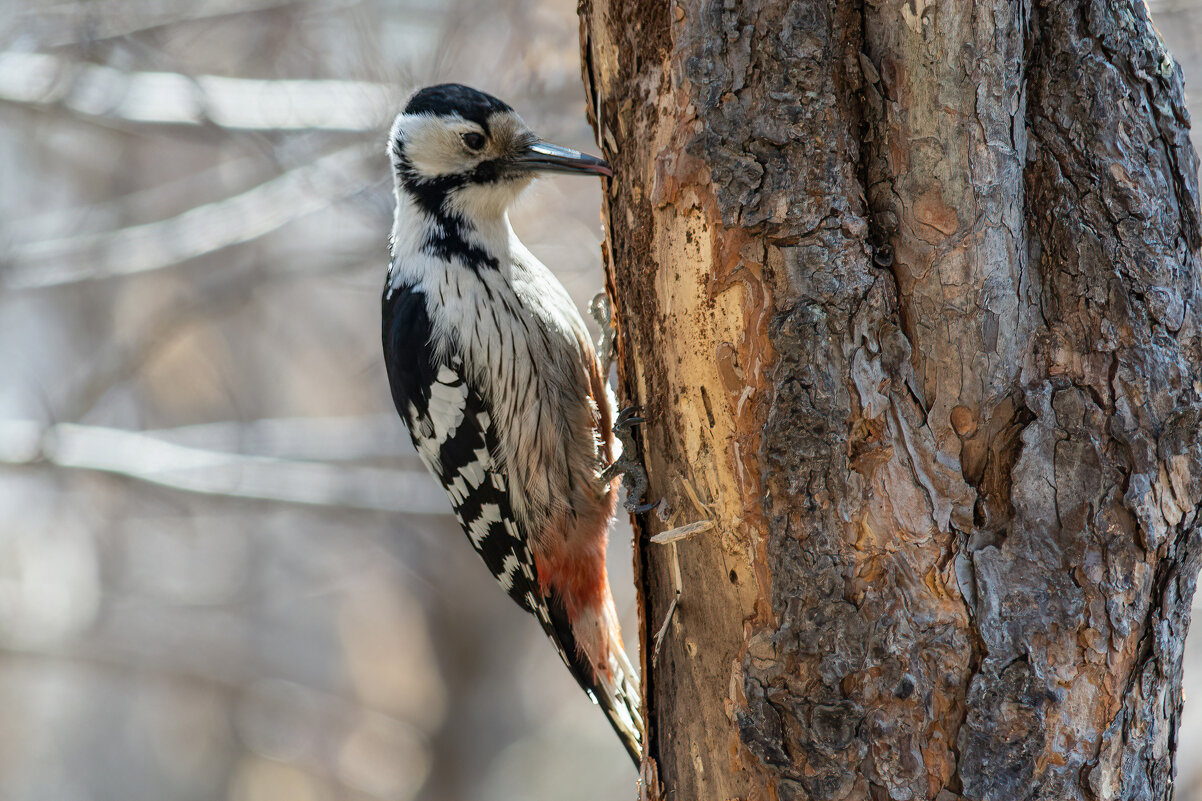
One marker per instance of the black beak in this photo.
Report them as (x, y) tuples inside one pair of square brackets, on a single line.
[(546, 157)]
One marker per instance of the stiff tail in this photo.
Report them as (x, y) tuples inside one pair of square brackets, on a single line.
[(610, 680), (618, 695)]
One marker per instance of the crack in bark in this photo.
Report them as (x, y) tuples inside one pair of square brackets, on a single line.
[(966, 493)]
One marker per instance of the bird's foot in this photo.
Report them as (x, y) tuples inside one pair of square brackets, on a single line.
[(634, 477)]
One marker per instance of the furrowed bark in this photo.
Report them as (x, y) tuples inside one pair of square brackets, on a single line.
[(909, 295)]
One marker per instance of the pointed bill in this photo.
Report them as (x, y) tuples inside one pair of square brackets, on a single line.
[(546, 157)]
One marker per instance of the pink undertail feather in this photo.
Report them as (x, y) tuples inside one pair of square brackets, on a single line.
[(574, 580), (615, 685)]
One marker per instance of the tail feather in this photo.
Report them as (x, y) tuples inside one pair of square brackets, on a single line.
[(613, 684), (619, 697)]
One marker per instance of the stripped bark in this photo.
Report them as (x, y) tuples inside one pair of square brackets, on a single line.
[(909, 293)]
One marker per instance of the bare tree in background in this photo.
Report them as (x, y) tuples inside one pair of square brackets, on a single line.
[(910, 295), (224, 573)]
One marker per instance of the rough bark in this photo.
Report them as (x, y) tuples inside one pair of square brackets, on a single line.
[(909, 293)]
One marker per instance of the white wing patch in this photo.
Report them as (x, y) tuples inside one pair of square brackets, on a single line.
[(448, 400), (456, 440), (457, 489), (473, 473), (445, 410), (478, 529), (509, 566)]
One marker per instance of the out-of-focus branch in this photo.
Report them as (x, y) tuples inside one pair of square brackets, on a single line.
[(113, 19), (178, 99), (324, 439), (153, 457), (200, 230)]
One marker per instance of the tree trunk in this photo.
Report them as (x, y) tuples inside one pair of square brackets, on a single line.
[(909, 294)]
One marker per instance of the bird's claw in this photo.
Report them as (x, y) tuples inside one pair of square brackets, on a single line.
[(627, 419), (634, 477)]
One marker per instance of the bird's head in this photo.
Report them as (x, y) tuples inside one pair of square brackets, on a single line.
[(456, 150)]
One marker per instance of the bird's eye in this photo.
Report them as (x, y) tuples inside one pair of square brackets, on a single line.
[(473, 140)]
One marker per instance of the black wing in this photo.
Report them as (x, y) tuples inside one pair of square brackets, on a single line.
[(453, 432)]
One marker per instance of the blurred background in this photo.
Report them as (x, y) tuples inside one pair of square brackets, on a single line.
[(223, 572)]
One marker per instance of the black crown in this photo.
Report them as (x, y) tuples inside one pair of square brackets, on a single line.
[(455, 98)]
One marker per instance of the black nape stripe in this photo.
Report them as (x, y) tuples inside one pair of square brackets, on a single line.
[(447, 235)]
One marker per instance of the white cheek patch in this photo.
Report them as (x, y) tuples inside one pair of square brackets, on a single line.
[(434, 145)]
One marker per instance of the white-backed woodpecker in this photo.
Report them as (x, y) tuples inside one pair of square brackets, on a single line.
[(493, 371)]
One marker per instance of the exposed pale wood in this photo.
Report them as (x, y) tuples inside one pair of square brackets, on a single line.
[(909, 294)]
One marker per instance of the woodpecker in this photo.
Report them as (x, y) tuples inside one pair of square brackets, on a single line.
[(493, 372)]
